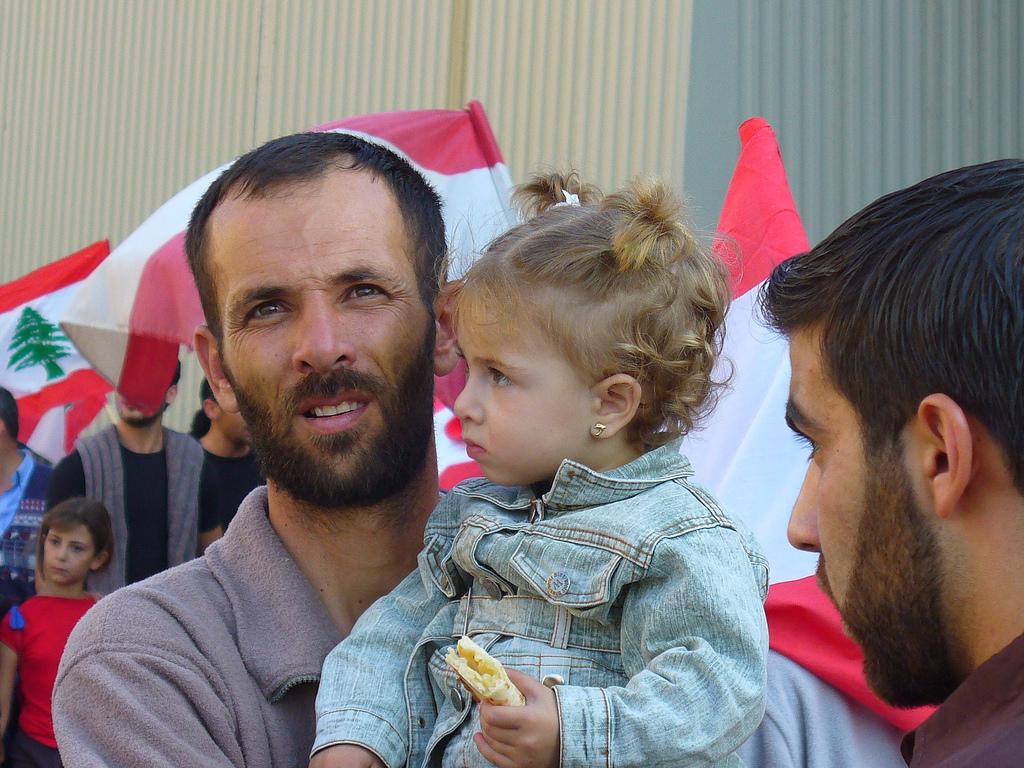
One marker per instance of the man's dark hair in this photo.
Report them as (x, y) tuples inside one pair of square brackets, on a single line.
[(304, 157), (921, 292), (9, 413), (200, 421)]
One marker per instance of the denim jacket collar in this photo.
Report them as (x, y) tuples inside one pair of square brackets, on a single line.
[(577, 485)]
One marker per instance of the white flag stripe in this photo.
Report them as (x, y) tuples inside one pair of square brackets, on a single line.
[(746, 455), (32, 378), (47, 439), (105, 300)]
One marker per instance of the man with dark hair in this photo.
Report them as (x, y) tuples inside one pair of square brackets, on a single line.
[(906, 331), (148, 478), (23, 480), (229, 466), (317, 258)]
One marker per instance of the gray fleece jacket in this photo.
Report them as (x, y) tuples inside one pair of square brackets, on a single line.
[(213, 663)]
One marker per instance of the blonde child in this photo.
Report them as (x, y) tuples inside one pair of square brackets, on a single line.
[(75, 540), (587, 559)]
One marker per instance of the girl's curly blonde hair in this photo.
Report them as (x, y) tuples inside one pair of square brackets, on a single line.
[(618, 284)]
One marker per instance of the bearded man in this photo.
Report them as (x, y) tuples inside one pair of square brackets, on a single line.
[(318, 259), (147, 476), (906, 331)]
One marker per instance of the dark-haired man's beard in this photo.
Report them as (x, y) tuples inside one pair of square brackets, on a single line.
[(893, 605), (141, 421), (376, 466)]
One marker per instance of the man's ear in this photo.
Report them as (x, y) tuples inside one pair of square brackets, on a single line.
[(445, 347), (211, 409), (208, 352), (616, 400), (172, 392), (940, 450)]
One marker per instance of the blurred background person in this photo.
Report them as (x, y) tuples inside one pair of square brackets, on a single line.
[(229, 467), (24, 477), (147, 476), (75, 541)]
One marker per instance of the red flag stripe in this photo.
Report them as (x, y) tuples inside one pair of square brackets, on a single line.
[(78, 386), (759, 226), (807, 628), (168, 266), (52, 277), (439, 140)]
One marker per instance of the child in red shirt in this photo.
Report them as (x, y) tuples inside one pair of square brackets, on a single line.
[(75, 539)]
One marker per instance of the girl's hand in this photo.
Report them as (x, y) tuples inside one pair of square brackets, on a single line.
[(521, 737), (345, 756)]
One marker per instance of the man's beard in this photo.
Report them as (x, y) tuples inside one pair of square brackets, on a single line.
[(143, 422), (893, 607), (379, 467)]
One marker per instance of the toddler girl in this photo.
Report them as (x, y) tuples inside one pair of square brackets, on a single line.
[(75, 539), (588, 559)]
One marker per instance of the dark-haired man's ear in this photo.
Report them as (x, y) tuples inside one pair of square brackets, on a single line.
[(172, 392), (445, 348), (940, 450), (616, 401), (208, 353)]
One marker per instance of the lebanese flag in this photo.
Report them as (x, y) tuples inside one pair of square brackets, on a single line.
[(57, 391), (134, 311), (746, 454)]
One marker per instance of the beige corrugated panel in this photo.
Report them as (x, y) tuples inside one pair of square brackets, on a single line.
[(325, 60), (599, 84), (109, 107)]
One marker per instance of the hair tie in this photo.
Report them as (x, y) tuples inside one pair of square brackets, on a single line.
[(570, 200)]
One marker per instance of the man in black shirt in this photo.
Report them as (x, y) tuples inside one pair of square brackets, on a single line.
[(229, 466), (148, 477)]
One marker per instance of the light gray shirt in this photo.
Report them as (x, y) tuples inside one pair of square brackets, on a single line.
[(809, 724), (214, 663)]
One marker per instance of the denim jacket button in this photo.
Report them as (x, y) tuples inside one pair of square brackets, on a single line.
[(558, 584), (493, 589), (457, 698)]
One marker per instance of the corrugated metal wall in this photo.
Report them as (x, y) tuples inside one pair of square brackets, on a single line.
[(866, 96), (600, 85), (109, 107)]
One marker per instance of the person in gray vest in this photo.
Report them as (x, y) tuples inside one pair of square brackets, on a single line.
[(148, 477)]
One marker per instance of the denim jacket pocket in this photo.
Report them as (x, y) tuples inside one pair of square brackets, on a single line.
[(568, 573)]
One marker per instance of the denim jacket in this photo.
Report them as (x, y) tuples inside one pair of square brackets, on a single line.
[(631, 585)]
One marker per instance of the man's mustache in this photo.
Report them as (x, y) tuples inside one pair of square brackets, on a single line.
[(315, 385)]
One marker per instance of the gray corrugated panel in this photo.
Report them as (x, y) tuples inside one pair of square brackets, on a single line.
[(865, 96), (598, 85)]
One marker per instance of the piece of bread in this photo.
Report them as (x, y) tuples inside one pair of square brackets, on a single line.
[(483, 674)]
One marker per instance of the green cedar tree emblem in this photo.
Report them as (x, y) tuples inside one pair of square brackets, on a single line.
[(37, 341)]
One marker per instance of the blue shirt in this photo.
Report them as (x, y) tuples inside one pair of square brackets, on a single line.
[(11, 498)]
